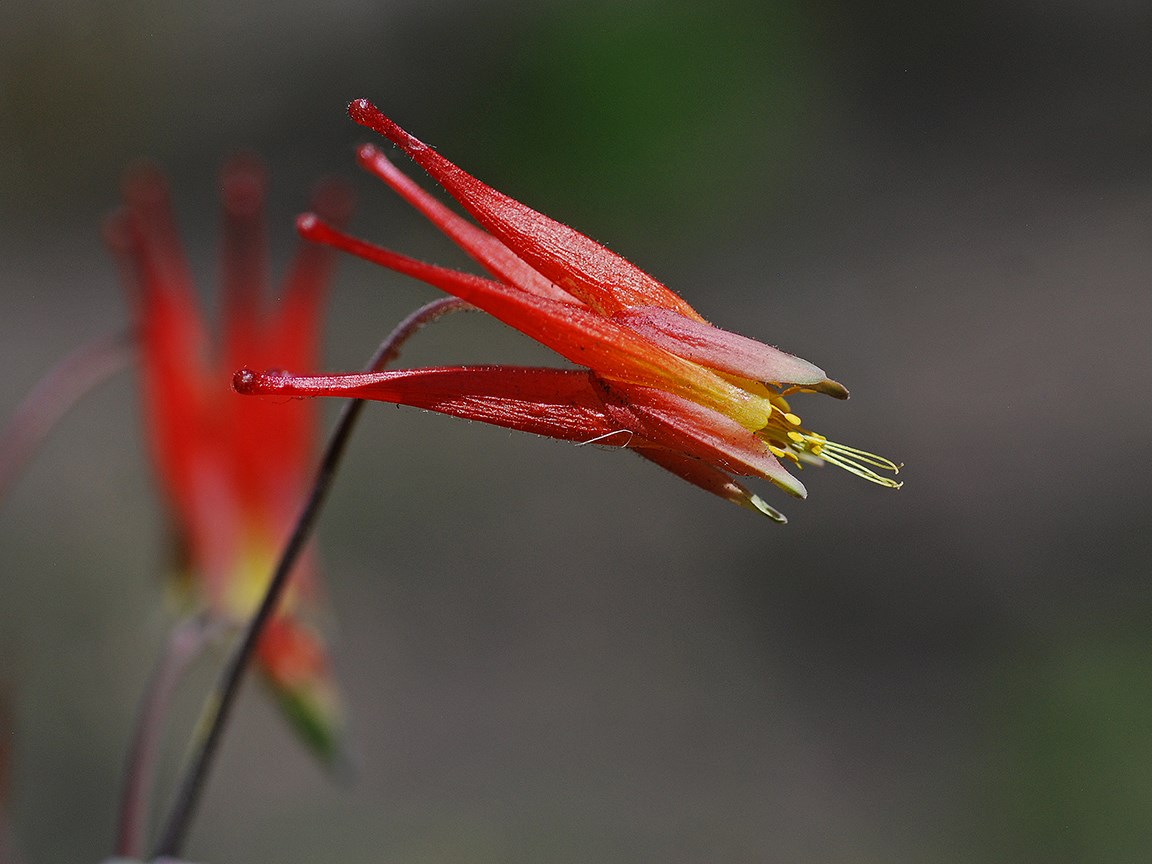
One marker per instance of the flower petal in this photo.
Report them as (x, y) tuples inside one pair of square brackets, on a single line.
[(292, 330), (683, 425), (244, 267), (575, 262), (295, 662), (558, 403), (173, 342), (570, 405), (574, 332), (295, 331), (489, 252), (720, 349), (710, 479)]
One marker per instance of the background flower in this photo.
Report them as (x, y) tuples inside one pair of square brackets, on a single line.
[(233, 476)]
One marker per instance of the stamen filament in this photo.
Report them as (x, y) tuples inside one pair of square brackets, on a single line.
[(859, 470), (800, 445), (863, 456)]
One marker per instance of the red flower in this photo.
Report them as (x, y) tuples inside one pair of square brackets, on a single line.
[(701, 402), (233, 471)]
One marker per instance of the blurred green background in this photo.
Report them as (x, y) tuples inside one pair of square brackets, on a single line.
[(564, 655)]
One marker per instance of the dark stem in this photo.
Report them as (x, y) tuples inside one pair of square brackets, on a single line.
[(221, 701), (185, 643), (7, 844), (54, 394)]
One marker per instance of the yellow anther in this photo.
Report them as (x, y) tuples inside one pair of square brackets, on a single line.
[(781, 453), (792, 418), (796, 437)]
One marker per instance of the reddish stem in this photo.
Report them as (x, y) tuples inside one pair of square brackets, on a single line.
[(185, 643), (60, 389)]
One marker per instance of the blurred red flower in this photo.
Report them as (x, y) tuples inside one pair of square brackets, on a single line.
[(233, 472)]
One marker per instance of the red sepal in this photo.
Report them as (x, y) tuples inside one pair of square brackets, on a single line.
[(575, 262)]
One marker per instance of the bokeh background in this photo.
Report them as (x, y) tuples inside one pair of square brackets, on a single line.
[(564, 655)]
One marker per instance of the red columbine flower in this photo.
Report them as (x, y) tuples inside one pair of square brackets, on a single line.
[(702, 402), (233, 471)]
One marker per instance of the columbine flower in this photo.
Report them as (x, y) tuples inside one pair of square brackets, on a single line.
[(702, 402), (233, 471)]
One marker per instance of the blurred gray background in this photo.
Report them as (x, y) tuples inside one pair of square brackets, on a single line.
[(564, 655)]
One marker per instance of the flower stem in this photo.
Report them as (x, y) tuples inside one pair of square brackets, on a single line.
[(221, 701), (60, 389), (7, 844), (185, 643)]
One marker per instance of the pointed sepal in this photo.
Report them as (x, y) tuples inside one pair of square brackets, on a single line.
[(575, 262)]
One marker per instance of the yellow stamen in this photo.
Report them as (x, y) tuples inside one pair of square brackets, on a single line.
[(800, 445), (851, 459), (782, 453)]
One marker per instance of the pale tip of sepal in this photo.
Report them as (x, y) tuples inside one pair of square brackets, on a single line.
[(758, 505)]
